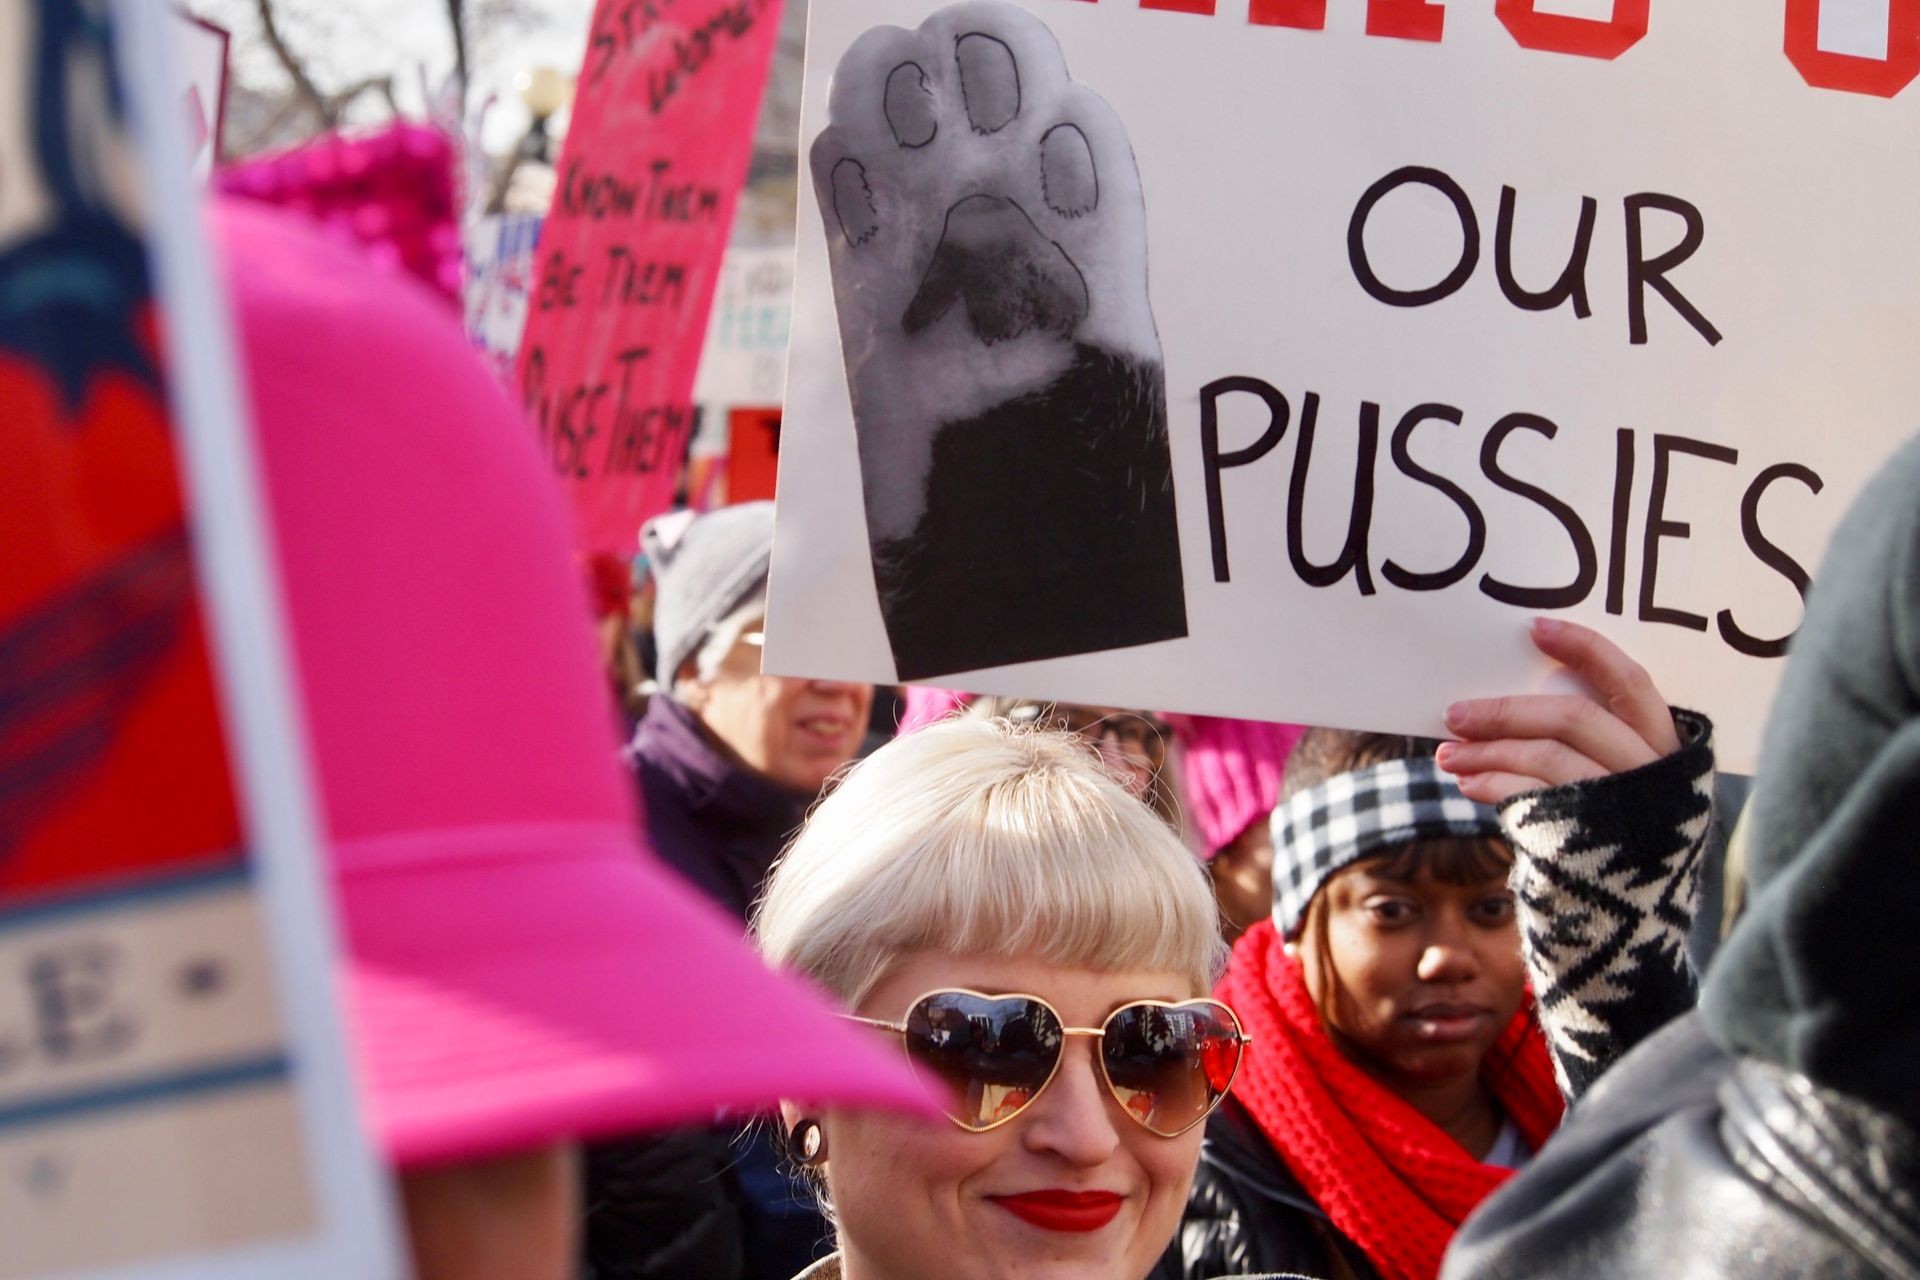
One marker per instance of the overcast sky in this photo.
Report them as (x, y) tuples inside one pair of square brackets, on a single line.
[(347, 40)]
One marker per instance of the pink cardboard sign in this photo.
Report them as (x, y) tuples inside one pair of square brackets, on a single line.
[(628, 260)]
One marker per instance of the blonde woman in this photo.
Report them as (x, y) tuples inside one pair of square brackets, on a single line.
[(1040, 945)]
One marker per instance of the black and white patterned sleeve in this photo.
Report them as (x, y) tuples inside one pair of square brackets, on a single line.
[(1607, 879)]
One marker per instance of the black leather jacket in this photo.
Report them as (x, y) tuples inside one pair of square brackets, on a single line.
[(1686, 1160), (1776, 1132), (1248, 1215)]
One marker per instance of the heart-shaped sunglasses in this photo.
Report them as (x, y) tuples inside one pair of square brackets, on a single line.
[(988, 1057)]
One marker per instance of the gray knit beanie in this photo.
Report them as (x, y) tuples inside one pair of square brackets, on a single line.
[(716, 564)]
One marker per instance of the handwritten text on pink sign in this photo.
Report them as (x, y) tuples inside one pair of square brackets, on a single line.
[(630, 254)]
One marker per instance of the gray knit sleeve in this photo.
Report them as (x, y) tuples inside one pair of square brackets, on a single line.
[(1607, 879)]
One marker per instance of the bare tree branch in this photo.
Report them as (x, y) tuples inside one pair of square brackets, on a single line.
[(457, 24), (339, 102), (300, 63), (265, 130), (303, 85)]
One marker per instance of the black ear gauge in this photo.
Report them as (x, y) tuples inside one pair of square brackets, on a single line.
[(807, 1143)]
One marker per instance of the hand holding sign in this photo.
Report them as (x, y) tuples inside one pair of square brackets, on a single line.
[(1517, 744)]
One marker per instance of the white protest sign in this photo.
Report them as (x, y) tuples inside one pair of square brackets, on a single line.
[(200, 52), (744, 360), (499, 284), (1283, 358)]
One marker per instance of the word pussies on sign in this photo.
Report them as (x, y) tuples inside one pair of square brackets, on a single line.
[(1354, 558), (1610, 37)]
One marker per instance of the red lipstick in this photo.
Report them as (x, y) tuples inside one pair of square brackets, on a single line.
[(1063, 1210)]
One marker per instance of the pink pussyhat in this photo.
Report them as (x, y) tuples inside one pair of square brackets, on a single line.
[(925, 705), (518, 970), (1230, 773), (391, 194)]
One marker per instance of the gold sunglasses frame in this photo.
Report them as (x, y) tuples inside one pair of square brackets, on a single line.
[(1241, 1038)]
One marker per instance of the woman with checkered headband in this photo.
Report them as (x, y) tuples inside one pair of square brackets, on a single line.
[(1400, 1070)]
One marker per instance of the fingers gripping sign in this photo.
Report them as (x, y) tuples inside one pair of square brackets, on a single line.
[(1606, 874), (1523, 743)]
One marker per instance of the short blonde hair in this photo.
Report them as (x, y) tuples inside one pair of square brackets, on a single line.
[(978, 837)]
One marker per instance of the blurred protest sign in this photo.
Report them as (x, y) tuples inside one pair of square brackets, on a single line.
[(743, 368), (500, 248), (175, 1098), (753, 453), (643, 205), (200, 51), (1458, 314), (744, 361)]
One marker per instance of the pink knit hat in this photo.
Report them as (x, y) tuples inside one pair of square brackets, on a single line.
[(518, 970), (926, 704), (1231, 771), (389, 194)]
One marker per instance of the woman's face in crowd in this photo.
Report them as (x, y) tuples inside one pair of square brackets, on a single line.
[(927, 1200), (796, 732), (1416, 977)]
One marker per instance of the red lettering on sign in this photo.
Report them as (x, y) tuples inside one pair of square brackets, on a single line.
[(1307, 15), (1588, 37), (1879, 77), (1406, 19), (1607, 40)]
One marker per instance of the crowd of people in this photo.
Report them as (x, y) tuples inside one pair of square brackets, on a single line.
[(1438, 950), (1050, 989), (1046, 990), (1175, 998)]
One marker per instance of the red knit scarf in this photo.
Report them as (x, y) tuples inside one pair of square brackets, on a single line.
[(1390, 1179)]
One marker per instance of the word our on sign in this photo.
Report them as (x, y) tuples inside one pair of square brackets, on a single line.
[(1643, 273)]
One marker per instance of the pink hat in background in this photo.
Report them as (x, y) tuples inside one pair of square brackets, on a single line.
[(924, 705), (518, 970), (391, 194), (1231, 772)]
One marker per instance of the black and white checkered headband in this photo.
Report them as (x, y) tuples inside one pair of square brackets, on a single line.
[(1351, 815)]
